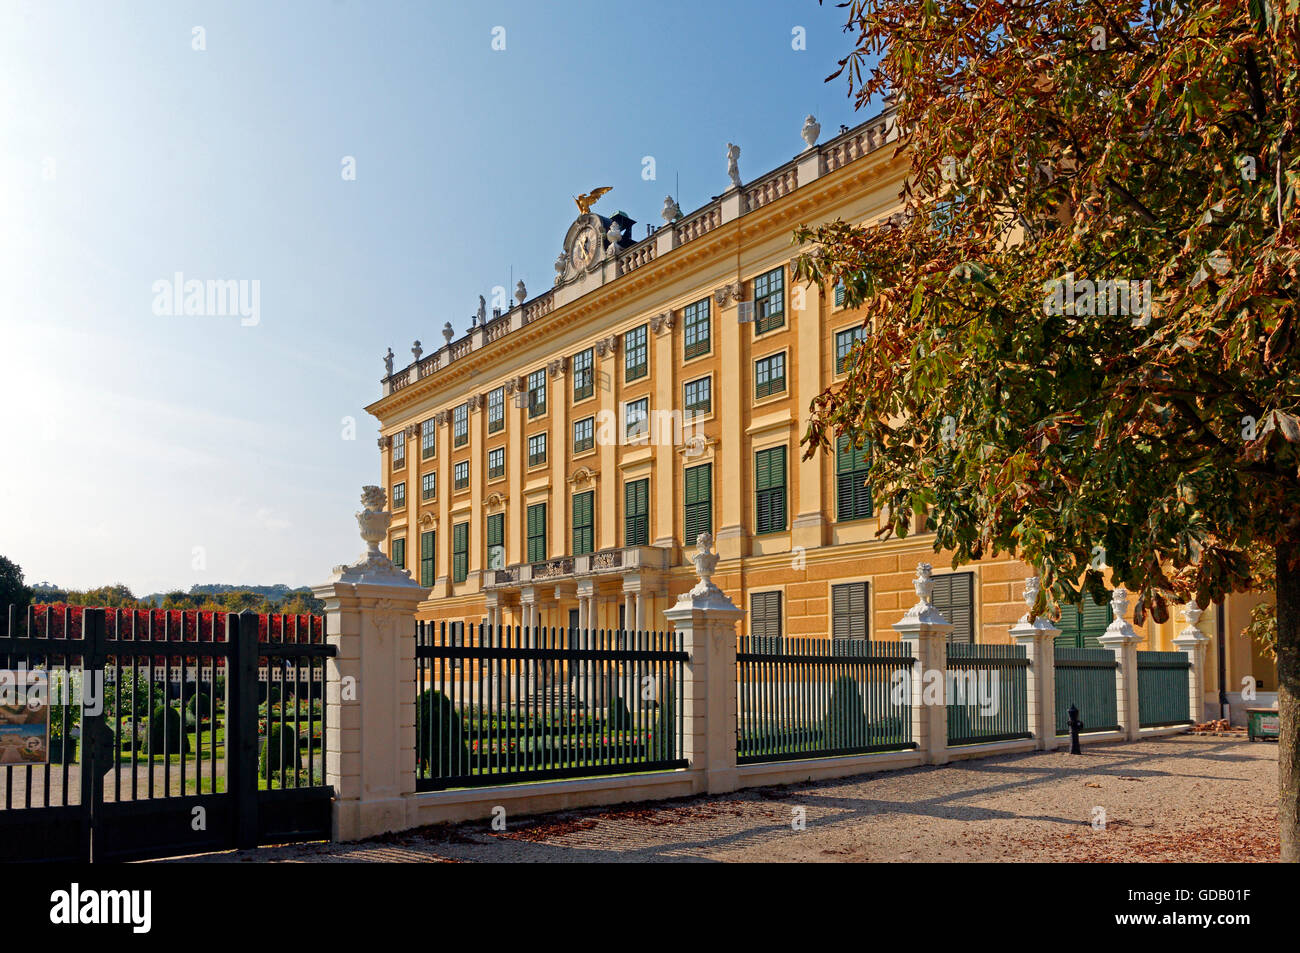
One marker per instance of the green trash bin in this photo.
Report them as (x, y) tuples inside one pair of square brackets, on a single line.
[(1263, 723)]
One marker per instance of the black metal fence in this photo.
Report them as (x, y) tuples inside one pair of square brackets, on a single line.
[(168, 732), (497, 705), (806, 698), (987, 693)]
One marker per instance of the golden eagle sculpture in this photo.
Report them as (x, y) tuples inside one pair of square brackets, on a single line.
[(586, 201)]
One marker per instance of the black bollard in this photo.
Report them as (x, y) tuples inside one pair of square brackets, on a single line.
[(1075, 726)]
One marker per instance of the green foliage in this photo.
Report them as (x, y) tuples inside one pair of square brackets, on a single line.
[(131, 692), (170, 739), (439, 735), (279, 751), (846, 719), (198, 705), (13, 592), (1158, 444)]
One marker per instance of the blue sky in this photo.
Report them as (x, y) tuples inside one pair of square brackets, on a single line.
[(164, 450)]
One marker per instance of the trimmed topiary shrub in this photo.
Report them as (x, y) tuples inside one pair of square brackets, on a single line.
[(617, 714), (279, 751), (846, 720), (198, 705), (166, 725), (439, 736)]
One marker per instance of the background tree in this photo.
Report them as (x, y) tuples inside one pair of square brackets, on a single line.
[(1053, 144), (13, 592)]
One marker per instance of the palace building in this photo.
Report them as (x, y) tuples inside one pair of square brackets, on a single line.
[(555, 465)]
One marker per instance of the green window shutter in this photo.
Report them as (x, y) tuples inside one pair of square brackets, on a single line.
[(583, 523), (496, 529), (698, 492), (765, 621), (537, 533), (839, 294), (460, 552), (848, 615), (770, 487), (636, 512), (954, 596), (1093, 620), (852, 495), (427, 551), (1069, 626)]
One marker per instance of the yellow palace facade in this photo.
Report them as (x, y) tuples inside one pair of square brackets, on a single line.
[(555, 465)]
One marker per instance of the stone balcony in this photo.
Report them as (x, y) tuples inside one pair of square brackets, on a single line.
[(805, 168), (606, 562)]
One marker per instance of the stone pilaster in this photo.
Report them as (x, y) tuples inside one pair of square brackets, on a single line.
[(1193, 643), (925, 632), (1039, 640), (1122, 639)]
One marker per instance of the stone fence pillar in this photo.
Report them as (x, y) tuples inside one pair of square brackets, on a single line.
[(1121, 639), (370, 684), (925, 631), (706, 619), (1193, 643), (1039, 641)]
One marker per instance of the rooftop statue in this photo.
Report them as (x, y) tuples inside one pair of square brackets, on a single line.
[(733, 164), (588, 199)]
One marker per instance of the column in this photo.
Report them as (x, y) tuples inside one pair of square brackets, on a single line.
[(733, 452), (370, 684), (1039, 641), (706, 619), (1192, 642), (925, 632), (1121, 639)]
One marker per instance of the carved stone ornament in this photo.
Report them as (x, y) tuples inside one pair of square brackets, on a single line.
[(661, 322), (706, 595), (1120, 628), (924, 610), (440, 418), (558, 366), (475, 401), (607, 346), (385, 442), (512, 385), (373, 566), (582, 476), (428, 520), (494, 500), (1040, 621), (726, 294), (521, 292)]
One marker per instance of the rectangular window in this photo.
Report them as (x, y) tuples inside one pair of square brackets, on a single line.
[(844, 341), (399, 552), (584, 523), (428, 486), (496, 410), (399, 449), (496, 541), (461, 475), (399, 495), (537, 449), (954, 596), (496, 463), (636, 513), (428, 439), (765, 621), (537, 393), (852, 495), (1081, 626), (699, 396), (769, 375), (460, 425), (695, 329), (459, 552), (427, 552), (537, 533), (849, 625), (698, 493), (769, 301), (584, 434), (584, 374), (636, 419), (635, 365), (769, 485)]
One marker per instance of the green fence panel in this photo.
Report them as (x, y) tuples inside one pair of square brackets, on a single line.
[(987, 693), (1085, 678), (1162, 689)]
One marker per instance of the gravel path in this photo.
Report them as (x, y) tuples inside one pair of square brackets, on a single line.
[(1182, 798)]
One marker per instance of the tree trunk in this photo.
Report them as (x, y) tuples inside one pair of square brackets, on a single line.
[(1288, 697)]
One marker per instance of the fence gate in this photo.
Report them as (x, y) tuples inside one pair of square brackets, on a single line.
[(169, 733)]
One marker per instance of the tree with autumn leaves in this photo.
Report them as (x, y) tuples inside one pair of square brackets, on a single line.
[(1016, 384)]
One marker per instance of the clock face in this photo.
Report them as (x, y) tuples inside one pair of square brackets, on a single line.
[(585, 246)]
